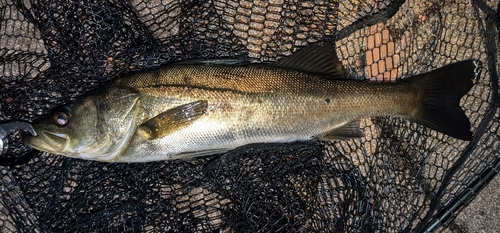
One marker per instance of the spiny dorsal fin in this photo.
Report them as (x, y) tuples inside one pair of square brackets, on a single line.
[(319, 58), (240, 61)]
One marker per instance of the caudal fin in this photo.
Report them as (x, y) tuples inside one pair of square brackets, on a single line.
[(442, 90)]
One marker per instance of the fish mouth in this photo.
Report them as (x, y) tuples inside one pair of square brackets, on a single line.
[(47, 141)]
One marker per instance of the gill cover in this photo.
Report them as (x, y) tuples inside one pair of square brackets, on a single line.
[(117, 113)]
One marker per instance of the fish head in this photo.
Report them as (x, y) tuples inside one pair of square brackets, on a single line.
[(95, 128), (71, 130)]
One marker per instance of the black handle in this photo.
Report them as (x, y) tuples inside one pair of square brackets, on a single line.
[(5, 130)]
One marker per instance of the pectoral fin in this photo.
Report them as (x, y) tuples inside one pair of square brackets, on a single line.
[(172, 120), (347, 131)]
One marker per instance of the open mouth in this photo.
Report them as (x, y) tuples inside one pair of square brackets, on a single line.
[(47, 141)]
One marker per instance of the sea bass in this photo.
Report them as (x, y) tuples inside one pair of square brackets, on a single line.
[(190, 110)]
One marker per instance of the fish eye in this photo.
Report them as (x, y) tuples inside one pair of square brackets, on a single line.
[(61, 118)]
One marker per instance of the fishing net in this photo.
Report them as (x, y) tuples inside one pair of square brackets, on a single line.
[(401, 177)]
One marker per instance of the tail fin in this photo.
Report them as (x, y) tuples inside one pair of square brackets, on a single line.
[(442, 90)]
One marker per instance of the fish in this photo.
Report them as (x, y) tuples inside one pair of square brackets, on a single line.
[(183, 111)]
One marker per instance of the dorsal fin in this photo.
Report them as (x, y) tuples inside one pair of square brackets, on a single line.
[(239, 61), (319, 58)]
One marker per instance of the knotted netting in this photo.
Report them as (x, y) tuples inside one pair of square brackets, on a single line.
[(401, 177)]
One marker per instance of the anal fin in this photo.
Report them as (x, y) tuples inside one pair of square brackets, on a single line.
[(172, 120), (346, 131)]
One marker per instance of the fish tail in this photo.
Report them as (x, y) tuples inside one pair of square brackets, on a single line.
[(441, 91)]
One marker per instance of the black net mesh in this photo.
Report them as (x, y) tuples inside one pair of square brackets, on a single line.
[(401, 177)]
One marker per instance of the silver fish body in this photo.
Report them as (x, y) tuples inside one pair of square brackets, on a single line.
[(185, 111)]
